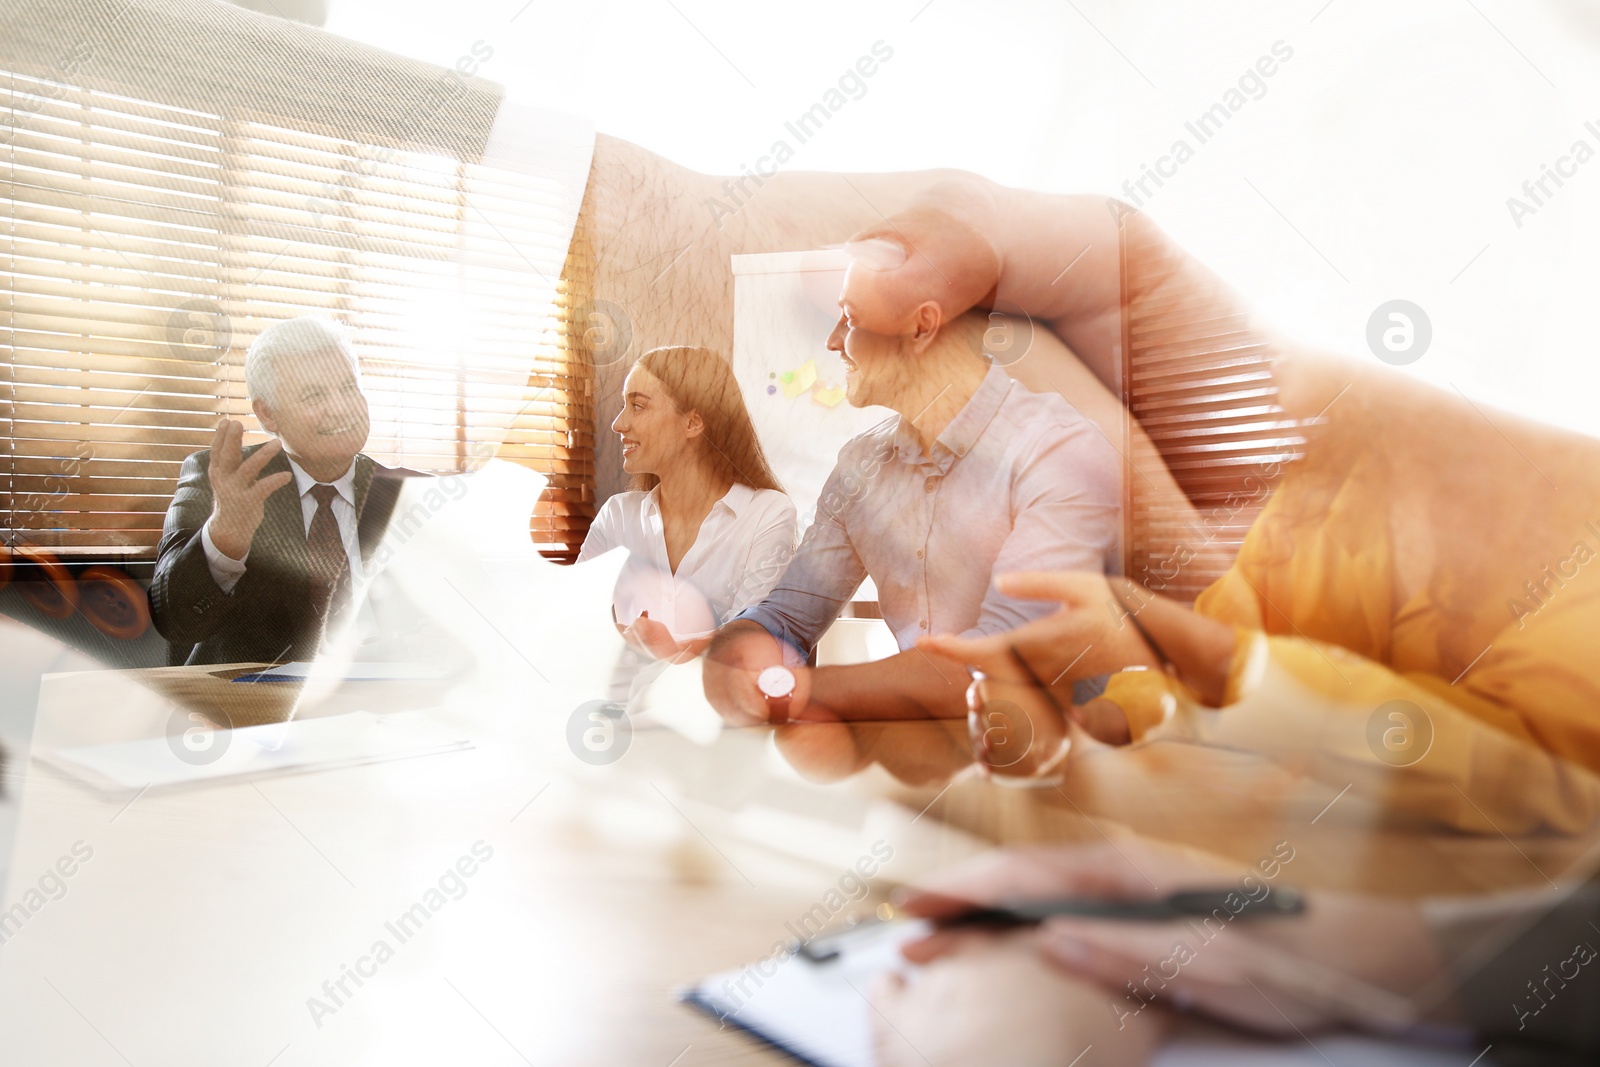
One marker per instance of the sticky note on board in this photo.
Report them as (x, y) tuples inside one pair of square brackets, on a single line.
[(800, 379)]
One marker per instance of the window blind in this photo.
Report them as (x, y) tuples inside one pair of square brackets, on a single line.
[(1197, 377), (147, 243)]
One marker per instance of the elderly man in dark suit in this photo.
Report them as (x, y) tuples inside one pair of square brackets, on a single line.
[(262, 545)]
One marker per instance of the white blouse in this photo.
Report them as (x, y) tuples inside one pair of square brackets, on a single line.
[(743, 546)]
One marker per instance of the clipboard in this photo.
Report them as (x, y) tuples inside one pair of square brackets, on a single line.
[(816, 1012)]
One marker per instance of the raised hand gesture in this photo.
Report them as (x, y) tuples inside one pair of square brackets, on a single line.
[(239, 493)]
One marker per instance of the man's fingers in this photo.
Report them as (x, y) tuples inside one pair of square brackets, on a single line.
[(271, 484), (249, 468), (1107, 951), (999, 876), (946, 902), (225, 446), (218, 438), (1041, 585), (1113, 951), (948, 257), (1099, 957), (1173, 962), (940, 943)]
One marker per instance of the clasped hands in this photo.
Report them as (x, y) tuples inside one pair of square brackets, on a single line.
[(1020, 703), (1013, 719)]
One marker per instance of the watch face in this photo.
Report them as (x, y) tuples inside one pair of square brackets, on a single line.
[(775, 683)]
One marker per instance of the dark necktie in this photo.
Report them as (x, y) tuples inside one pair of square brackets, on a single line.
[(330, 566)]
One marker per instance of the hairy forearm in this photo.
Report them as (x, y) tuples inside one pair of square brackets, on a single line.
[(661, 253), (660, 249)]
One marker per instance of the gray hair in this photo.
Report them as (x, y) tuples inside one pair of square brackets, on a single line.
[(288, 340)]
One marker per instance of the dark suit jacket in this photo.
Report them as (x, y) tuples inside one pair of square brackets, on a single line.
[(267, 618)]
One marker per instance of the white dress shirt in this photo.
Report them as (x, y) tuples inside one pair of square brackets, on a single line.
[(227, 571), (743, 546)]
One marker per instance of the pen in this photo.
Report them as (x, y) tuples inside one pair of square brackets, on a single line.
[(1194, 903), (1197, 902)]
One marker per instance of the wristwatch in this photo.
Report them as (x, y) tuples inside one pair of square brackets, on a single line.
[(777, 685)]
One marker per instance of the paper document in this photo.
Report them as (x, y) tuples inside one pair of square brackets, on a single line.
[(349, 672), (300, 745)]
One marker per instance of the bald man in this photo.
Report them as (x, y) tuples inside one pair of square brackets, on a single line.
[(974, 474)]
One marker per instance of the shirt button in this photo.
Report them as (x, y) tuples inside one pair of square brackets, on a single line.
[(923, 625), (919, 553), (931, 484)]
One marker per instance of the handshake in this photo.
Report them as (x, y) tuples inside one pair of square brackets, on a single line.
[(1004, 701)]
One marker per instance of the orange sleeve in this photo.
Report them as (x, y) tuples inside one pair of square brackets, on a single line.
[(1411, 743), (1148, 698)]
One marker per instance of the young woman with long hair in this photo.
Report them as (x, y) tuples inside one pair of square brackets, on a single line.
[(707, 527)]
